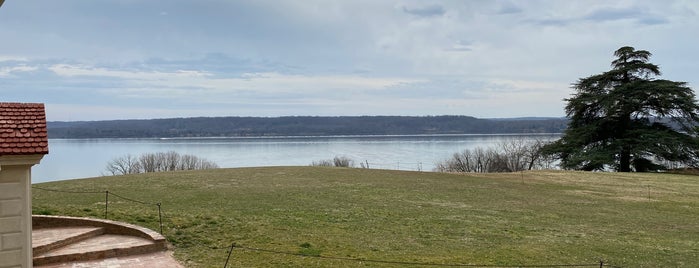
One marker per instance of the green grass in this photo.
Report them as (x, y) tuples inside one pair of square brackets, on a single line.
[(551, 217)]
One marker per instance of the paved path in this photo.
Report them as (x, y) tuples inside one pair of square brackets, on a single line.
[(61, 242), (158, 259)]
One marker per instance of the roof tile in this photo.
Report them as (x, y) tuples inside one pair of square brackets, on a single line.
[(23, 129)]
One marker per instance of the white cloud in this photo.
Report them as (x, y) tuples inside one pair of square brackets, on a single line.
[(88, 112), (78, 70), (12, 58), (485, 58), (425, 11), (7, 71), (201, 84), (316, 83)]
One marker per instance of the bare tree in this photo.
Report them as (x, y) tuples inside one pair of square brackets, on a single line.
[(508, 156), (157, 162), (478, 160), (170, 160), (205, 164), (148, 162), (538, 159), (127, 164), (188, 162)]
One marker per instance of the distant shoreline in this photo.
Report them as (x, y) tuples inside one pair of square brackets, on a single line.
[(323, 136), (300, 126)]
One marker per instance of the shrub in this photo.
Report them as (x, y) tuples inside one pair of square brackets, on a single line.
[(343, 161), (338, 161), (322, 163)]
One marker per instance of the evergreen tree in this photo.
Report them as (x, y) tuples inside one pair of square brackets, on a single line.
[(627, 119)]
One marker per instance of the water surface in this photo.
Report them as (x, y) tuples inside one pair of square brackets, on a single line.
[(83, 158)]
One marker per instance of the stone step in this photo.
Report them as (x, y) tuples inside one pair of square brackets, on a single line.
[(47, 239), (161, 259), (60, 241), (100, 247)]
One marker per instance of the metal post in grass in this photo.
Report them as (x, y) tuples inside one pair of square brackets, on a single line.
[(106, 203), (601, 263), (229, 254), (160, 217)]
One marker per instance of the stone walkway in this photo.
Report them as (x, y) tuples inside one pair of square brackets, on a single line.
[(61, 242), (158, 259)]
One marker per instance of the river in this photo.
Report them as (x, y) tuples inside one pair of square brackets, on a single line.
[(84, 158)]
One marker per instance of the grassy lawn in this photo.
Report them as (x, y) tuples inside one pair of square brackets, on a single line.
[(530, 218)]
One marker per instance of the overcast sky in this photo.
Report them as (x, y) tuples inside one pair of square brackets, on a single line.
[(94, 60)]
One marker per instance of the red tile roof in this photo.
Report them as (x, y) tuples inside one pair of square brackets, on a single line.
[(23, 129)]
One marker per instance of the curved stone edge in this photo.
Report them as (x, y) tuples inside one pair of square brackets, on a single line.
[(110, 227)]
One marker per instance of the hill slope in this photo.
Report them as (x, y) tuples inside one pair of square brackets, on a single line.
[(629, 220)]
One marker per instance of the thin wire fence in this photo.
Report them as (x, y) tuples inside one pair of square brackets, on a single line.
[(229, 251), (234, 246), (66, 191), (408, 166), (107, 193)]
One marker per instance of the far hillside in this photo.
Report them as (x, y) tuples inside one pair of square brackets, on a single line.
[(301, 126)]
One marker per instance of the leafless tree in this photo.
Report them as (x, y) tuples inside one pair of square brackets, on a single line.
[(157, 162), (148, 162), (508, 156), (127, 164)]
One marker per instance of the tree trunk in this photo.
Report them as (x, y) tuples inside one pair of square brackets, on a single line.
[(625, 160), (624, 125)]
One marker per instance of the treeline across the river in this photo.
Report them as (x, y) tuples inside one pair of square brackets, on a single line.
[(301, 126)]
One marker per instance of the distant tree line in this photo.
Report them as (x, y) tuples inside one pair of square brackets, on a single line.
[(157, 162), (301, 126)]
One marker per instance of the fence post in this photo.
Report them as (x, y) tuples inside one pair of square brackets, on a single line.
[(160, 217), (601, 263), (106, 203), (229, 255)]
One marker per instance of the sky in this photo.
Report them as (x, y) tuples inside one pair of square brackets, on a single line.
[(129, 59)]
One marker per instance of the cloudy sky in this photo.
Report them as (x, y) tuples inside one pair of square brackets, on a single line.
[(94, 60)]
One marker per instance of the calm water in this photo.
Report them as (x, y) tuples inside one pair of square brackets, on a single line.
[(83, 158)]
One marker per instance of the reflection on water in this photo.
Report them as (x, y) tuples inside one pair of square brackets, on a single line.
[(82, 158)]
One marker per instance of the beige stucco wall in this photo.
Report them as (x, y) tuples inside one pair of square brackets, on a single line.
[(15, 211)]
